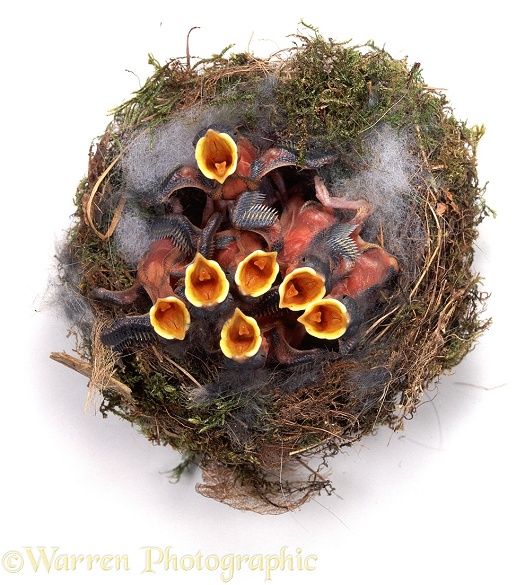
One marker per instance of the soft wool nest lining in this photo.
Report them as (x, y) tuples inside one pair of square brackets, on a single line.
[(261, 434)]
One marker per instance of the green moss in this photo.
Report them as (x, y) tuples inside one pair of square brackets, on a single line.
[(99, 263)]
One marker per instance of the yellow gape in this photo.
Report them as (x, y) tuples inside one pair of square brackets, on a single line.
[(216, 155), (325, 319), (301, 287), (256, 273), (205, 281), (240, 337), (170, 318)]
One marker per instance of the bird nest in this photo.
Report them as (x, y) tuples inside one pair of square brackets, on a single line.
[(272, 257)]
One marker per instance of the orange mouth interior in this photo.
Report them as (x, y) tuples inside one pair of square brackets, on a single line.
[(300, 288), (240, 337), (170, 318), (256, 273), (206, 283), (216, 155), (325, 319)]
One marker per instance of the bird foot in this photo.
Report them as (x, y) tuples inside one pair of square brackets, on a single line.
[(362, 208)]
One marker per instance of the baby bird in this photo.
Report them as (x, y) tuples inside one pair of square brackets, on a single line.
[(168, 317), (268, 275), (228, 165), (159, 274), (222, 170)]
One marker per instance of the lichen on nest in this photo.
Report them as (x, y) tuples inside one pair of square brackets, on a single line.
[(256, 431)]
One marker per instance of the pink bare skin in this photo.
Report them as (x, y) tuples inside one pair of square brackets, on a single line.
[(245, 243), (301, 222), (371, 268), (153, 275), (235, 184), (362, 208)]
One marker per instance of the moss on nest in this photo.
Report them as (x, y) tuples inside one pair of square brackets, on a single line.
[(254, 446)]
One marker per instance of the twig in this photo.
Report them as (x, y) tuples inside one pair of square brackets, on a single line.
[(86, 369), (188, 57)]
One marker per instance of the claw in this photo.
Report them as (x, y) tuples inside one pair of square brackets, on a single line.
[(362, 208), (119, 297)]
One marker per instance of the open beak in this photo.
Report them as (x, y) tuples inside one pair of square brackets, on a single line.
[(325, 319), (170, 318), (205, 282), (256, 273), (241, 337), (216, 154), (300, 288)]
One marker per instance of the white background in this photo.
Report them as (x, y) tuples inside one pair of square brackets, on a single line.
[(440, 502)]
